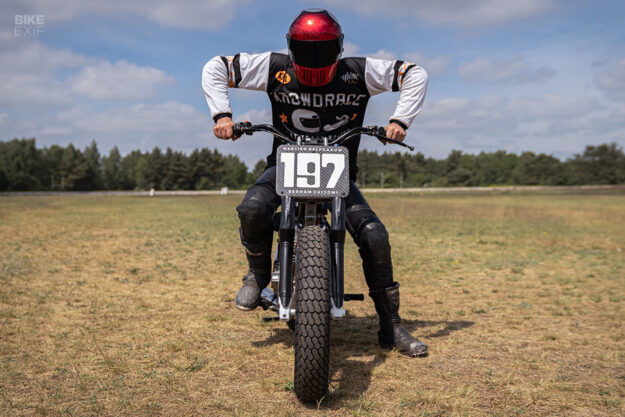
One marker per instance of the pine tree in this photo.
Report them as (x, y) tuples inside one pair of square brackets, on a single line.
[(128, 170), (259, 168), (156, 169), (235, 172), (602, 164), (21, 165), (177, 177), (74, 170), (111, 169), (51, 161), (94, 164), (141, 173)]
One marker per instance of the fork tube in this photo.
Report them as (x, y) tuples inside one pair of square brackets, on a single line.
[(285, 249), (337, 239)]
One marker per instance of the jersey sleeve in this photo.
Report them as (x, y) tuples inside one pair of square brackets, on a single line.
[(249, 71), (409, 79)]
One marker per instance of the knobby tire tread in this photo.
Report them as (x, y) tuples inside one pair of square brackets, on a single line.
[(312, 321)]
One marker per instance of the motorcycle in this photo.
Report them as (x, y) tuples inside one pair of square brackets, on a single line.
[(307, 282)]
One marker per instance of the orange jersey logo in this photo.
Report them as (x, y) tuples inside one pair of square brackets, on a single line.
[(283, 77)]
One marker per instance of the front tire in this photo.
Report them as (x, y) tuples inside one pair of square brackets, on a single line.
[(312, 319)]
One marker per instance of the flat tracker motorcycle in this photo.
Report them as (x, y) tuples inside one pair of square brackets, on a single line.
[(312, 177)]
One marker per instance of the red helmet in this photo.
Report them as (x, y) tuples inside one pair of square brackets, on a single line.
[(315, 42)]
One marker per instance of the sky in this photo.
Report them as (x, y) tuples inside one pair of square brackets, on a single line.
[(525, 75)]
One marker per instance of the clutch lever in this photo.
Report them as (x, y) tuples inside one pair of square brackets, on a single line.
[(380, 133)]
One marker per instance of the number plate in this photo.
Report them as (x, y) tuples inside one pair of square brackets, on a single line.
[(312, 171)]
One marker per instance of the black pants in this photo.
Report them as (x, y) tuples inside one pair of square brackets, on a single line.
[(260, 203)]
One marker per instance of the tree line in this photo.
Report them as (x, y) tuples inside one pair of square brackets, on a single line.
[(25, 167)]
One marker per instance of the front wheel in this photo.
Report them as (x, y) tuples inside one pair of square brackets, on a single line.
[(312, 319)]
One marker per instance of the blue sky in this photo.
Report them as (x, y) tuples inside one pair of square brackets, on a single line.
[(540, 75)]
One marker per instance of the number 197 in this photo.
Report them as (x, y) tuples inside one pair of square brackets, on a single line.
[(309, 168)]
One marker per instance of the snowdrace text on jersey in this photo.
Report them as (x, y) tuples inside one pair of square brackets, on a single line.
[(318, 100)]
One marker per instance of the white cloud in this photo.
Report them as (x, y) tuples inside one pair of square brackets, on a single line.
[(119, 81), (434, 65), (62, 92), (560, 124), (557, 124), (29, 77), (25, 55), (52, 93), (56, 131), (188, 14), (351, 49), (141, 126), (613, 82), (514, 70), (382, 54), (139, 119), (32, 92), (256, 116), (26, 74), (456, 13)]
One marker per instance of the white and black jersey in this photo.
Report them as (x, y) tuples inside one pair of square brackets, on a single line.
[(331, 109)]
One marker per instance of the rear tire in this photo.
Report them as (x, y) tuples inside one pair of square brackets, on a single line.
[(312, 319)]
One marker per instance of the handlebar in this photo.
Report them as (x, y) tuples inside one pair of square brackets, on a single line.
[(248, 128)]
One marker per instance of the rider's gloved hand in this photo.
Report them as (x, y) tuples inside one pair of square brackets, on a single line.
[(395, 131), (223, 128)]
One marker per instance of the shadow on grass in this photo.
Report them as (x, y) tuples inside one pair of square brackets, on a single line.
[(352, 340)]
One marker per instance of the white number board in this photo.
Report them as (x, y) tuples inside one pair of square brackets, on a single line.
[(312, 171)]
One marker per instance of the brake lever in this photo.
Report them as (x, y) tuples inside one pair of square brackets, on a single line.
[(380, 133)]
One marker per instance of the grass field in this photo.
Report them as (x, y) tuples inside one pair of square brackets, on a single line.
[(124, 306)]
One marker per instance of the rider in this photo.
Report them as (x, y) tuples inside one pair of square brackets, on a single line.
[(313, 90)]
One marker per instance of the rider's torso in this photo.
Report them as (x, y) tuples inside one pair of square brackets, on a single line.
[(331, 109)]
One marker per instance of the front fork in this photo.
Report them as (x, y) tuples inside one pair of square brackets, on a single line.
[(337, 241), (285, 256)]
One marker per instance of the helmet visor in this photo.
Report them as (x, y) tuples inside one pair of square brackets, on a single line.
[(315, 54)]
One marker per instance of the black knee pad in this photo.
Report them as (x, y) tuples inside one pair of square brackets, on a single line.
[(358, 216), (374, 242), (256, 213), (369, 234), (372, 239), (257, 207)]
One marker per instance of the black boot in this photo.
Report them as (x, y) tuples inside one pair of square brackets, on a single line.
[(248, 297), (392, 333), (258, 275)]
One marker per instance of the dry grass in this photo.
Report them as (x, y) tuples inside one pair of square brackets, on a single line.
[(124, 306)]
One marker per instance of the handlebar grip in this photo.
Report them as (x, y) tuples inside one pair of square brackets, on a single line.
[(236, 130), (380, 131), (242, 127)]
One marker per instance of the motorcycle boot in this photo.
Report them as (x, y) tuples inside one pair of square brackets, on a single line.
[(258, 275), (392, 334), (248, 297)]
